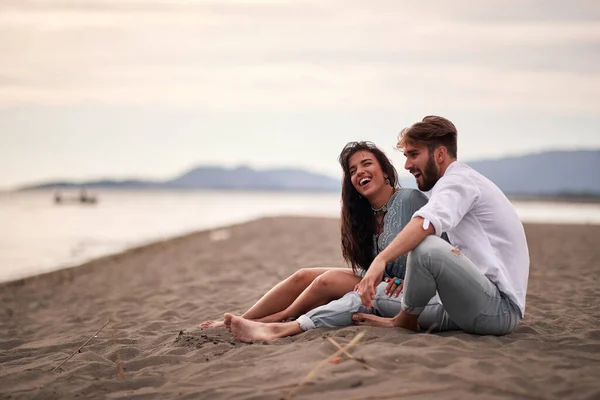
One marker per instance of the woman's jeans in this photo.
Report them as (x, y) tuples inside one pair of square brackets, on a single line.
[(471, 302)]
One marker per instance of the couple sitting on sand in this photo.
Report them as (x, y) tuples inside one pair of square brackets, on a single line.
[(456, 262)]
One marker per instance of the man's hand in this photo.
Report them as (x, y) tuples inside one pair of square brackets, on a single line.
[(366, 287)]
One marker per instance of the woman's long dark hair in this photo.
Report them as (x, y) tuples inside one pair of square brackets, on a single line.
[(357, 221)]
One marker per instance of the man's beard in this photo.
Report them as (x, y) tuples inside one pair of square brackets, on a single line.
[(429, 176)]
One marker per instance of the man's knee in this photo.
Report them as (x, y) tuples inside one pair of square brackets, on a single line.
[(432, 247)]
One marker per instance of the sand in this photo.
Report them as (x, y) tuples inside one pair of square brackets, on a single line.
[(156, 295)]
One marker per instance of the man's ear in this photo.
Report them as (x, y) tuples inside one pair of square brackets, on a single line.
[(441, 153)]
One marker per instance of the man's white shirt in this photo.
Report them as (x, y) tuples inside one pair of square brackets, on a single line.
[(482, 223)]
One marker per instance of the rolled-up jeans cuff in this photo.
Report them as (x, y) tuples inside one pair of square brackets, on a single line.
[(412, 310), (305, 323)]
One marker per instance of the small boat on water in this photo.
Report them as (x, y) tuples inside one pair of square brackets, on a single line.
[(83, 198)]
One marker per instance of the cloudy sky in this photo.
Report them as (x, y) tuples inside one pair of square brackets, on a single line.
[(148, 89)]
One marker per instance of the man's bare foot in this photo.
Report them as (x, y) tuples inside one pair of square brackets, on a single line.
[(212, 324), (407, 321), (372, 320), (402, 320)]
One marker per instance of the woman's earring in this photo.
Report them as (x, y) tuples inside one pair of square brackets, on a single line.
[(387, 181)]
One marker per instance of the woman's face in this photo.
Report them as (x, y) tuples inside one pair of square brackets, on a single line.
[(366, 174)]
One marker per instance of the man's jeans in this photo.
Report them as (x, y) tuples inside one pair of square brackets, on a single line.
[(471, 302)]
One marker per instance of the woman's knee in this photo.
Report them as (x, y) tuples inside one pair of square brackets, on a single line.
[(325, 280), (302, 278), (333, 281)]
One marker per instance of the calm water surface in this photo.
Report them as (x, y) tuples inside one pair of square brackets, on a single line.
[(39, 236)]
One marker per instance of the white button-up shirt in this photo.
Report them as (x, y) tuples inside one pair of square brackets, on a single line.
[(482, 223)]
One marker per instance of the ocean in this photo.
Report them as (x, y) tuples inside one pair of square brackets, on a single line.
[(38, 235)]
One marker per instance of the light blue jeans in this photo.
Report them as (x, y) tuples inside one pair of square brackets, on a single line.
[(471, 302), (339, 312)]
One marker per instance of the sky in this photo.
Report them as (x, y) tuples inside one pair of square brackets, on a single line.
[(149, 89)]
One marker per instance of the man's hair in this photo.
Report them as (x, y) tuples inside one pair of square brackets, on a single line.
[(433, 132)]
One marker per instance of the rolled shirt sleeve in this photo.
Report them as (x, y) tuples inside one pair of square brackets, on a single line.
[(452, 197)]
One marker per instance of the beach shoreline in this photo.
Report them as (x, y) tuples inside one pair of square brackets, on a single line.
[(155, 295)]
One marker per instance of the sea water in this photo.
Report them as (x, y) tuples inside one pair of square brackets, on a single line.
[(38, 235)]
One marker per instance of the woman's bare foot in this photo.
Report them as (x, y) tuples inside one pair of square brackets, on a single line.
[(277, 317), (227, 322), (246, 330), (212, 324), (372, 320)]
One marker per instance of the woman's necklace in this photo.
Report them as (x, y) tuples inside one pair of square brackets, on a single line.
[(383, 209), (380, 210)]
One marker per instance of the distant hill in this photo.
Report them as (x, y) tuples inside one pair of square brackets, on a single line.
[(245, 178), (105, 183), (242, 178), (552, 173), (549, 173)]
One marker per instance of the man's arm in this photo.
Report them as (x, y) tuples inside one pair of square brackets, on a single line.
[(409, 238)]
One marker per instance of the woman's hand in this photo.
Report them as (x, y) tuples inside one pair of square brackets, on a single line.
[(394, 286), (366, 287)]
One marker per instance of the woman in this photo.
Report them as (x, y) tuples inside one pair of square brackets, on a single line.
[(374, 210)]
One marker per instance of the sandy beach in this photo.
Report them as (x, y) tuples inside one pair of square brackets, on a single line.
[(155, 296)]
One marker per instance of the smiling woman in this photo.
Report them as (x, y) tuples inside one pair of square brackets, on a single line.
[(374, 210), (369, 182)]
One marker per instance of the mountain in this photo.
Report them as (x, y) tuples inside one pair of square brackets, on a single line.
[(106, 183), (242, 178), (551, 173), (245, 178), (548, 173)]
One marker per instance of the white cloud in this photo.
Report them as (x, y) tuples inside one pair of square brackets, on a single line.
[(310, 55)]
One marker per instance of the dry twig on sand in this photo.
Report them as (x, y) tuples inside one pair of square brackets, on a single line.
[(81, 347), (350, 356), (120, 370), (322, 364)]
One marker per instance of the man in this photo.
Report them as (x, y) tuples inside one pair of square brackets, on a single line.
[(481, 278)]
